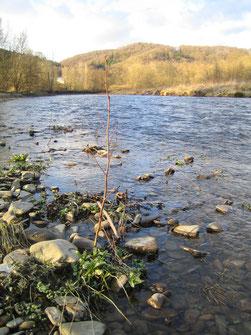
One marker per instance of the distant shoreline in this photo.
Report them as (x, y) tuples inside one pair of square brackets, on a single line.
[(228, 91)]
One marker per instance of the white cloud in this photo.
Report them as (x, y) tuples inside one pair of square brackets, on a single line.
[(65, 28)]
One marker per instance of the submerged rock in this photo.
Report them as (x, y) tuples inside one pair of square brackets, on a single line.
[(224, 209), (190, 231), (83, 327), (214, 227), (194, 252), (143, 245), (119, 283), (59, 252), (145, 177), (156, 300)]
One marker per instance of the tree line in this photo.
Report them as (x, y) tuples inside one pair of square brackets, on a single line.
[(23, 71)]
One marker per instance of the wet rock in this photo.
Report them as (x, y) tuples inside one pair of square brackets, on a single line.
[(5, 270), (145, 177), (245, 305), (2, 144), (137, 219), (172, 222), (190, 231), (59, 252), (17, 256), (4, 330), (160, 287), (224, 209), (194, 252), (27, 325), (236, 263), (149, 220), (83, 243), (228, 202), (206, 317), (221, 325), (188, 159), (214, 227), (119, 283), (170, 171), (76, 328), (54, 188), (20, 208), (4, 319), (191, 315), (35, 235), (87, 205), (31, 188), (14, 323), (156, 300), (142, 245), (54, 315), (73, 229)]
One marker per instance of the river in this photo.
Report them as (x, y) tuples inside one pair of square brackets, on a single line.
[(209, 296)]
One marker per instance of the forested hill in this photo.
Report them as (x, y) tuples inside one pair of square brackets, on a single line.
[(154, 66)]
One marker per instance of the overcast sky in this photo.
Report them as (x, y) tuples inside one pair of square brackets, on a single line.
[(64, 28)]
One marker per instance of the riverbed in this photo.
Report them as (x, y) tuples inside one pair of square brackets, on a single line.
[(209, 296)]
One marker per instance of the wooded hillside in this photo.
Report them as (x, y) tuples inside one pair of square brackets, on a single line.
[(157, 67)]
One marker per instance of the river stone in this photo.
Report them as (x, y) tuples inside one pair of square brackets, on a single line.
[(23, 195), (224, 209), (77, 312), (27, 175), (16, 184), (156, 300), (5, 194), (64, 300), (4, 319), (27, 325), (59, 230), (83, 327), (4, 331), (17, 256), (3, 205), (104, 225), (142, 245), (14, 323), (2, 144), (83, 243), (29, 188), (59, 252), (119, 283), (20, 207), (9, 217), (190, 231), (35, 235), (5, 270), (214, 227), (191, 315), (160, 287), (54, 315), (40, 223)]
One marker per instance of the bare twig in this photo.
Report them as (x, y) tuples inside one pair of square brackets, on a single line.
[(108, 219)]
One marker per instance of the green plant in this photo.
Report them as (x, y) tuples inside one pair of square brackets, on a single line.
[(246, 205)]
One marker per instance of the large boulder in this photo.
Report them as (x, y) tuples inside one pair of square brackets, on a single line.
[(83, 327), (142, 245), (59, 252)]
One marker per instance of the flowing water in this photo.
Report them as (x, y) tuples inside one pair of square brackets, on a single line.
[(209, 296)]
